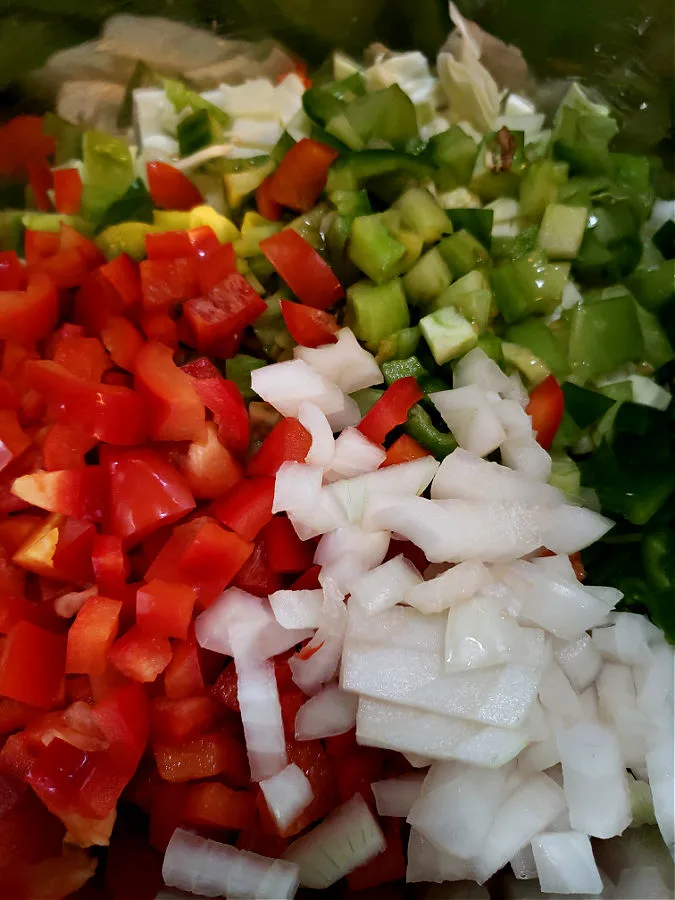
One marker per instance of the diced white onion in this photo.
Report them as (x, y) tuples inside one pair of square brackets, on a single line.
[(471, 418), (453, 586), (345, 363), (386, 585), (565, 864), (296, 488), (297, 609), (395, 796), (286, 385), (322, 449), (287, 794), (332, 711), (258, 696), (355, 455)]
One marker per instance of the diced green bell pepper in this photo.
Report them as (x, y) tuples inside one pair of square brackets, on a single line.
[(491, 345), (239, 368), (324, 102), (448, 334), (604, 335), (182, 97), (472, 298), (377, 310), (108, 172), (387, 115), (399, 345), (565, 474), (657, 348), (499, 165), (477, 222), (562, 230), (352, 169), (403, 368), (421, 213), (135, 205), (582, 132), (127, 237), (528, 286), (462, 252), (366, 398), (68, 138), (454, 153), (533, 369), (427, 278), (664, 239), (420, 427), (654, 287), (585, 406), (537, 337), (540, 185), (373, 249)]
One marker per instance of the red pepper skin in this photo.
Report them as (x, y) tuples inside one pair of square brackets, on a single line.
[(110, 563), (247, 507), (214, 805), (168, 245), (546, 407), (215, 266), (309, 327), (122, 341), (29, 316), (183, 676), (29, 648), (285, 551), (204, 757), (223, 398), (41, 181), (65, 447), (71, 492), (301, 175), (306, 273), (71, 239), (67, 191), (165, 281), (386, 867), (160, 327), (175, 721), (139, 655), (404, 449), (170, 189), (256, 576), (13, 439), (267, 206), (23, 142), (308, 581), (225, 689), (288, 441), (12, 272), (60, 549), (146, 492), (124, 276), (124, 718), (391, 409), (203, 241), (226, 309), (91, 636), (165, 608), (84, 357), (176, 412)]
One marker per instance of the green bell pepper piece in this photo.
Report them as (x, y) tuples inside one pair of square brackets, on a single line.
[(664, 239), (657, 348), (134, 205), (477, 222), (374, 250), (399, 345), (68, 138), (528, 286), (604, 335), (421, 213), (536, 336), (454, 153), (427, 278), (654, 287), (181, 98), (366, 398), (540, 185), (585, 406), (403, 368), (108, 172), (471, 296), (324, 102), (377, 310), (462, 252), (239, 368), (352, 169), (420, 427)]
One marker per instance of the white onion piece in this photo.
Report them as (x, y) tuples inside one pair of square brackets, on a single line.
[(325, 515), (454, 586), (296, 488), (427, 863), (515, 421), (332, 711), (258, 696), (347, 553), (297, 609), (348, 838), (471, 418), (311, 671), (287, 794), (322, 449), (565, 864), (523, 864), (355, 455), (662, 782), (399, 626), (580, 661), (395, 796), (479, 635), (286, 385), (476, 368), (386, 585), (212, 869), (557, 696), (348, 415), (567, 529), (525, 455), (345, 363)]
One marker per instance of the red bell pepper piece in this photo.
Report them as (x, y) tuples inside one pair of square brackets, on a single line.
[(60, 549), (215, 266), (15, 530), (123, 716), (204, 757), (291, 702), (225, 688), (546, 407), (13, 717), (41, 181), (391, 409), (170, 189), (168, 245), (12, 272), (309, 327), (285, 551), (256, 576), (109, 413), (209, 468), (23, 142), (167, 281), (122, 341), (28, 832), (165, 608), (32, 665), (160, 327), (175, 721), (267, 206), (214, 805), (203, 555), (341, 744), (312, 759), (96, 300), (39, 245), (123, 274), (30, 315), (139, 655), (183, 676), (404, 449), (84, 357), (356, 772), (247, 507), (306, 273), (146, 492), (288, 441), (67, 191), (228, 307), (91, 636), (308, 581), (71, 239), (387, 866), (67, 268), (110, 563), (175, 410), (71, 492), (223, 398), (411, 552), (13, 439), (301, 175), (65, 447), (203, 241)]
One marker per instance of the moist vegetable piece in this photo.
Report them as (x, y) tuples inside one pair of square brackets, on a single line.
[(335, 443)]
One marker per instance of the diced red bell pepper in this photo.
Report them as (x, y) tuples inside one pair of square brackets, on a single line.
[(165, 282), (247, 507), (66, 269), (578, 565), (13, 439), (311, 758), (12, 272), (67, 191), (204, 757), (159, 326), (546, 407), (411, 552), (288, 441), (291, 702), (256, 576), (215, 805), (175, 410), (91, 636), (203, 555), (13, 717), (96, 300), (165, 608), (124, 718), (306, 273), (175, 721), (167, 245), (215, 266), (166, 813), (301, 175), (110, 563), (356, 772), (341, 744), (124, 276), (391, 409), (59, 549), (112, 414), (139, 655), (223, 398), (285, 551), (225, 689), (71, 492), (203, 241), (267, 206), (309, 327), (71, 239), (122, 341), (30, 315), (308, 581), (23, 142), (404, 449), (32, 665), (41, 182), (40, 245), (15, 530), (146, 492), (227, 308), (84, 357), (183, 676), (65, 447), (133, 869), (170, 189), (387, 866), (28, 831), (209, 468)]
